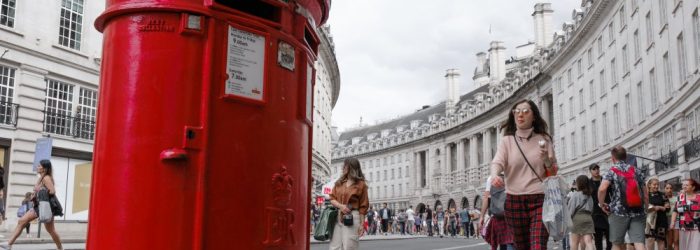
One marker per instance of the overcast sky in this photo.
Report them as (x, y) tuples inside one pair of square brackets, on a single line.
[(393, 55)]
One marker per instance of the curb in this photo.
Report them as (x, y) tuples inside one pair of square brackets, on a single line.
[(48, 240), (371, 239)]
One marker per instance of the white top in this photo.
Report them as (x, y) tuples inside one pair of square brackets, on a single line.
[(410, 214)]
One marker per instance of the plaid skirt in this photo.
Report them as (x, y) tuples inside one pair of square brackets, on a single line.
[(498, 233), (523, 215)]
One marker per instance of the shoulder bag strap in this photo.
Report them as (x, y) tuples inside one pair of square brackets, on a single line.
[(524, 157)]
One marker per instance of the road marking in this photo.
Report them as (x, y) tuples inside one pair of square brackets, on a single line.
[(462, 247)]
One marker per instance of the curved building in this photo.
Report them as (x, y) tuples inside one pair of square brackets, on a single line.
[(326, 90), (600, 81)]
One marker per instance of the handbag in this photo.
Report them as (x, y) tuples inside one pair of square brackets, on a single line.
[(326, 224), (56, 207), (497, 201), (45, 214)]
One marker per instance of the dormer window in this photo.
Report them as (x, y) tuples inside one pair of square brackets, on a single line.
[(385, 132), (415, 124)]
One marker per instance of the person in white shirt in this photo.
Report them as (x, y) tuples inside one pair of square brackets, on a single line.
[(411, 220)]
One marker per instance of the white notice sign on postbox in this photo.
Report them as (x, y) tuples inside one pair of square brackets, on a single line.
[(245, 64)]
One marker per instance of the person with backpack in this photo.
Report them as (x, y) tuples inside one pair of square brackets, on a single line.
[(22, 210), (526, 156), (687, 212), (580, 207), (498, 234), (626, 211), (372, 227)]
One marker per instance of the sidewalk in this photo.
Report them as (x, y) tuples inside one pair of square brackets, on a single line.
[(377, 237), (66, 238)]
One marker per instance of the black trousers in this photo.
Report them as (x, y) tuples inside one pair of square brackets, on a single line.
[(599, 233), (429, 223), (385, 225)]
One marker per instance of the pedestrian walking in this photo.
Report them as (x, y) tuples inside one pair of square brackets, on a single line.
[(429, 217), (45, 182), (526, 156), (418, 223), (465, 221), (402, 218), (371, 227), (656, 223), (580, 208), (672, 232), (687, 213), (440, 218), (411, 219), (349, 195), (600, 219), (385, 215), (498, 234), (2, 195), (452, 221), (23, 208), (626, 209)]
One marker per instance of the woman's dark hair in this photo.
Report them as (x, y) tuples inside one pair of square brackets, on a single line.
[(538, 123), (583, 185), (46, 164), (354, 172)]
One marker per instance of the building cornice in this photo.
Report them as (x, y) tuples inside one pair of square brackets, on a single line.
[(328, 54), (54, 59), (590, 21)]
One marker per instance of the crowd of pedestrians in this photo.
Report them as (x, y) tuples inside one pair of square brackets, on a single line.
[(620, 209), (439, 223)]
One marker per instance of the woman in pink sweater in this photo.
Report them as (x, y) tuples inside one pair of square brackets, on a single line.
[(526, 156)]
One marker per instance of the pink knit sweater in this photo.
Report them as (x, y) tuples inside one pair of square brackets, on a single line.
[(519, 178)]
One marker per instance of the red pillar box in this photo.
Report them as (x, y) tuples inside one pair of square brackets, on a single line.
[(204, 124)]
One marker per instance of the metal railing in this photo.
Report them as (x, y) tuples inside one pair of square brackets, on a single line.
[(65, 124), (8, 113), (670, 160), (692, 149)]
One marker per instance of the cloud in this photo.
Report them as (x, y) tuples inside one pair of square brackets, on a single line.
[(393, 55)]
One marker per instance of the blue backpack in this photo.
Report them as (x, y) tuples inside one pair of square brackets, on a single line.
[(22, 209)]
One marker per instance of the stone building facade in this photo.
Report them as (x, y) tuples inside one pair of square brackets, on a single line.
[(444, 151)]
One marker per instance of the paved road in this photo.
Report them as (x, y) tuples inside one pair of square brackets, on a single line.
[(430, 243), (418, 244)]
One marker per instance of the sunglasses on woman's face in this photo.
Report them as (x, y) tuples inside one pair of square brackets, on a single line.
[(523, 111)]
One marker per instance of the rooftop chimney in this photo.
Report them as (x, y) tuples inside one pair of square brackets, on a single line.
[(497, 61), (543, 24), (452, 78)]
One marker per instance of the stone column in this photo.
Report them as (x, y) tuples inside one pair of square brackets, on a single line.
[(473, 156), (448, 159), (30, 87), (651, 150), (460, 160), (681, 132), (487, 145)]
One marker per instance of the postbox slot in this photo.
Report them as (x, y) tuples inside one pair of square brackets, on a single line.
[(258, 8)]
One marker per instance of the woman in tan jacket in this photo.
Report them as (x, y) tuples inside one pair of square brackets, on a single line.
[(526, 156), (349, 195)]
